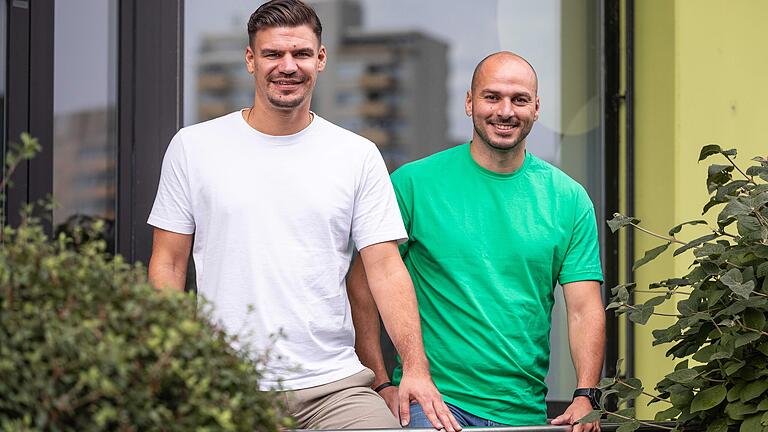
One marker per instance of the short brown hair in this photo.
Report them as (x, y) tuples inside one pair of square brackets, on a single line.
[(283, 13)]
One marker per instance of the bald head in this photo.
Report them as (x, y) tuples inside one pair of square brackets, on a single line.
[(499, 59)]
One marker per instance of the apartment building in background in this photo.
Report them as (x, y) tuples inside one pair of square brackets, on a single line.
[(389, 87)]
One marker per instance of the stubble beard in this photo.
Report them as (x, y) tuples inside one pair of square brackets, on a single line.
[(293, 100), (291, 103), (498, 147)]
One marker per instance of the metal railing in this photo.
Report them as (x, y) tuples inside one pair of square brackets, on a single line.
[(604, 427)]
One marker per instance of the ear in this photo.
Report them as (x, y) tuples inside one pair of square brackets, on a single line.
[(538, 106), (249, 60), (468, 103), (322, 57)]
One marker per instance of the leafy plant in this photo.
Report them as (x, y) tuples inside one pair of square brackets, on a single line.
[(719, 331), (86, 344)]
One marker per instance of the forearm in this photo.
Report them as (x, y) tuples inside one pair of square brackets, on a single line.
[(168, 264), (586, 334), (365, 318), (393, 292), (167, 276)]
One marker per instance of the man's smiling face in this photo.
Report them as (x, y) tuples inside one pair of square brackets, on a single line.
[(285, 62), (503, 103)]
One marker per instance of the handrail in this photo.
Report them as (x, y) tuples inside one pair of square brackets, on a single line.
[(604, 427)]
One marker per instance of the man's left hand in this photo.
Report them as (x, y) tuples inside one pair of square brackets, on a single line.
[(578, 409), (421, 389)]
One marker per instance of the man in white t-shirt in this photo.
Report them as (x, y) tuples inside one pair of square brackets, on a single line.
[(277, 199)]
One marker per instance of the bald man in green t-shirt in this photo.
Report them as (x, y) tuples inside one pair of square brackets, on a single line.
[(492, 230)]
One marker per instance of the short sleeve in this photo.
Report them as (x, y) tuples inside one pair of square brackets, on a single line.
[(582, 259), (404, 194), (172, 210), (376, 217)]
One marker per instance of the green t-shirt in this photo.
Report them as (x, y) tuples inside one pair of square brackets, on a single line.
[(485, 252)]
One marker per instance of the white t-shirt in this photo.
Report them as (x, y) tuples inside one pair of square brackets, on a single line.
[(275, 220)]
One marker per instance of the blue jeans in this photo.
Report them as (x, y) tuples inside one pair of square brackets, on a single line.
[(465, 419)]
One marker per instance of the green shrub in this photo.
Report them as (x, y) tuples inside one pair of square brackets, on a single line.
[(86, 344), (719, 334)]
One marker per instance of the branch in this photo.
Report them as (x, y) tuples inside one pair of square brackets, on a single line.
[(749, 179), (672, 292), (750, 328), (652, 313), (716, 326), (727, 234), (642, 391), (659, 236), (639, 421)]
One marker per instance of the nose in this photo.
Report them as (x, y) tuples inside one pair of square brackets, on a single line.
[(505, 109), (287, 64)]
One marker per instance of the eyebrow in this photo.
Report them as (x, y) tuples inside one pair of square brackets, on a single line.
[(267, 51), (497, 92)]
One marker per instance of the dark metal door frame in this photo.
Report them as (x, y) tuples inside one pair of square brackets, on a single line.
[(150, 101), (29, 98), (150, 44)]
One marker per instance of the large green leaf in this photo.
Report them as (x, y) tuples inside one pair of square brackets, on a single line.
[(694, 243), (763, 348), (704, 354), (667, 414), (754, 318), (592, 416), (763, 405), (739, 410), (753, 390), (746, 338), (733, 279), (650, 255), (734, 393), (752, 424), (682, 397), (709, 150), (619, 221), (708, 398), (630, 388), (677, 228), (734, 366), (666, 335), (622, 415), (622, 291), (683, 375), (630, 426), (734, 208), (718, 175), (641, 314), (719, 425)]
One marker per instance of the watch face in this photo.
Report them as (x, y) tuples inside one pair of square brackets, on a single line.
[(593, 394), (594, 397)]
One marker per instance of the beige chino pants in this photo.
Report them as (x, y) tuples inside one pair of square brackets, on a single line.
[(348, 403)]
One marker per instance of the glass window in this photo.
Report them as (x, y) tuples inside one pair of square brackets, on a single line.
[(85, 133), (3, 75), (398, 72)]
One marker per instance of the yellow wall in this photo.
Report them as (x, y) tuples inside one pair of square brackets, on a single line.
[(700, 78)]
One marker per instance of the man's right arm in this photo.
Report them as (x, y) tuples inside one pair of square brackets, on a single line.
[(365, 317), (168, 264)]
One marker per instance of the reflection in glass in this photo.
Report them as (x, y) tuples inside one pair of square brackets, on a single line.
[(85, 135), (398, 72)]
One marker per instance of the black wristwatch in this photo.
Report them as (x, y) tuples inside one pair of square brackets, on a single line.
[(593, 394)]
